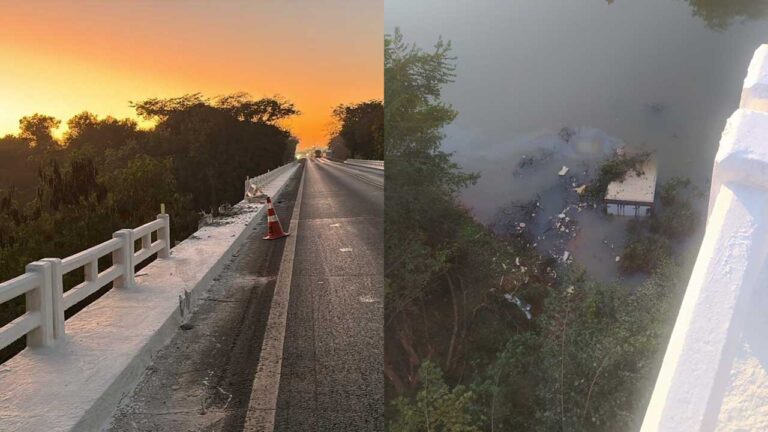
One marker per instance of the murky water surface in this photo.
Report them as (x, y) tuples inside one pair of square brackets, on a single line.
[(659, 75)]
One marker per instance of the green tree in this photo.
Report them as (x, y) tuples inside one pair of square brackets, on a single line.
[(448, 280), (91, 136), (38, 130), (265, 110), (361, 127), (435, 407)]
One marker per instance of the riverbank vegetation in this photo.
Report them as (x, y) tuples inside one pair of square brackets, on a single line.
[(481, 331), (59, 196)]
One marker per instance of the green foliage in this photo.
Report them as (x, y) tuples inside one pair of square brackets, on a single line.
[(446, 275), (361, 127), (720, 14), (648, 243), (599, 352), (435, 407), (590, 361), (37, 129), (643, 253), (612, 170), (238, 106), (421, 179), (265, 110), (676, 217)]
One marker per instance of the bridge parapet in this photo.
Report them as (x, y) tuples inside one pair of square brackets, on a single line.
[(74, 383), (715, 371), (43, 281)]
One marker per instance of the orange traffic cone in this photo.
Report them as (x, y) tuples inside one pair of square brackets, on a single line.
[(275, 229)]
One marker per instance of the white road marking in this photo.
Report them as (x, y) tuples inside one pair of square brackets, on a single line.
[(262, 406), (367, 299)]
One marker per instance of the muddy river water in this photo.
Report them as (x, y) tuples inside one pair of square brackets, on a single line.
[(657, 75)]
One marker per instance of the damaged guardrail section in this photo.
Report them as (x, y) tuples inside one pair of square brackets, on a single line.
[(43, 281), (715, 370), (254, 185)]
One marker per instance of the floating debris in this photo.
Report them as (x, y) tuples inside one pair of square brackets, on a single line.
[(563, 171)]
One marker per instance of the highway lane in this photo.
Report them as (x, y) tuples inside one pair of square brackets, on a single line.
[(332, 364)]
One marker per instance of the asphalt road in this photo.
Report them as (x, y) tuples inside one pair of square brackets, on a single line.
[(332, 372), (331, 377)]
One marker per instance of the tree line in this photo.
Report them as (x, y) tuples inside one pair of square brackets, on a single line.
[(359, 131), (59, 196)]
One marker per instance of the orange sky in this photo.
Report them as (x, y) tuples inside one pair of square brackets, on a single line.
[(62, 57)]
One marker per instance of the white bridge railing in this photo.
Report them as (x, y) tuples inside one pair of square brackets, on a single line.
[(715, 370), (43, 281), (378, 164)]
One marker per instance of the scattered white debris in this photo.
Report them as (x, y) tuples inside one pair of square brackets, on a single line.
[(580, 190), (335, 225), (618, 258), (524, 307), (563, 171), (517, 261), (566, 255), (561, 215), (346, 249), (225, 208), (570, 289)]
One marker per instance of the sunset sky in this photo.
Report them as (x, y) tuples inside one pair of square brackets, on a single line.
[(63, 57)]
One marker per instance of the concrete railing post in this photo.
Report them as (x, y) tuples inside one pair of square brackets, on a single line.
[(57, 296), (124, 257), (164, 234), (41, 300)]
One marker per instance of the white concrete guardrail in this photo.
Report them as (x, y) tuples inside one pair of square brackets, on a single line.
[(715, 371), (43, 282), (73, 380), (377, 164)]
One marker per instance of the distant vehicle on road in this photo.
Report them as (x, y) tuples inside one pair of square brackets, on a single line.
[(318, 153)]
